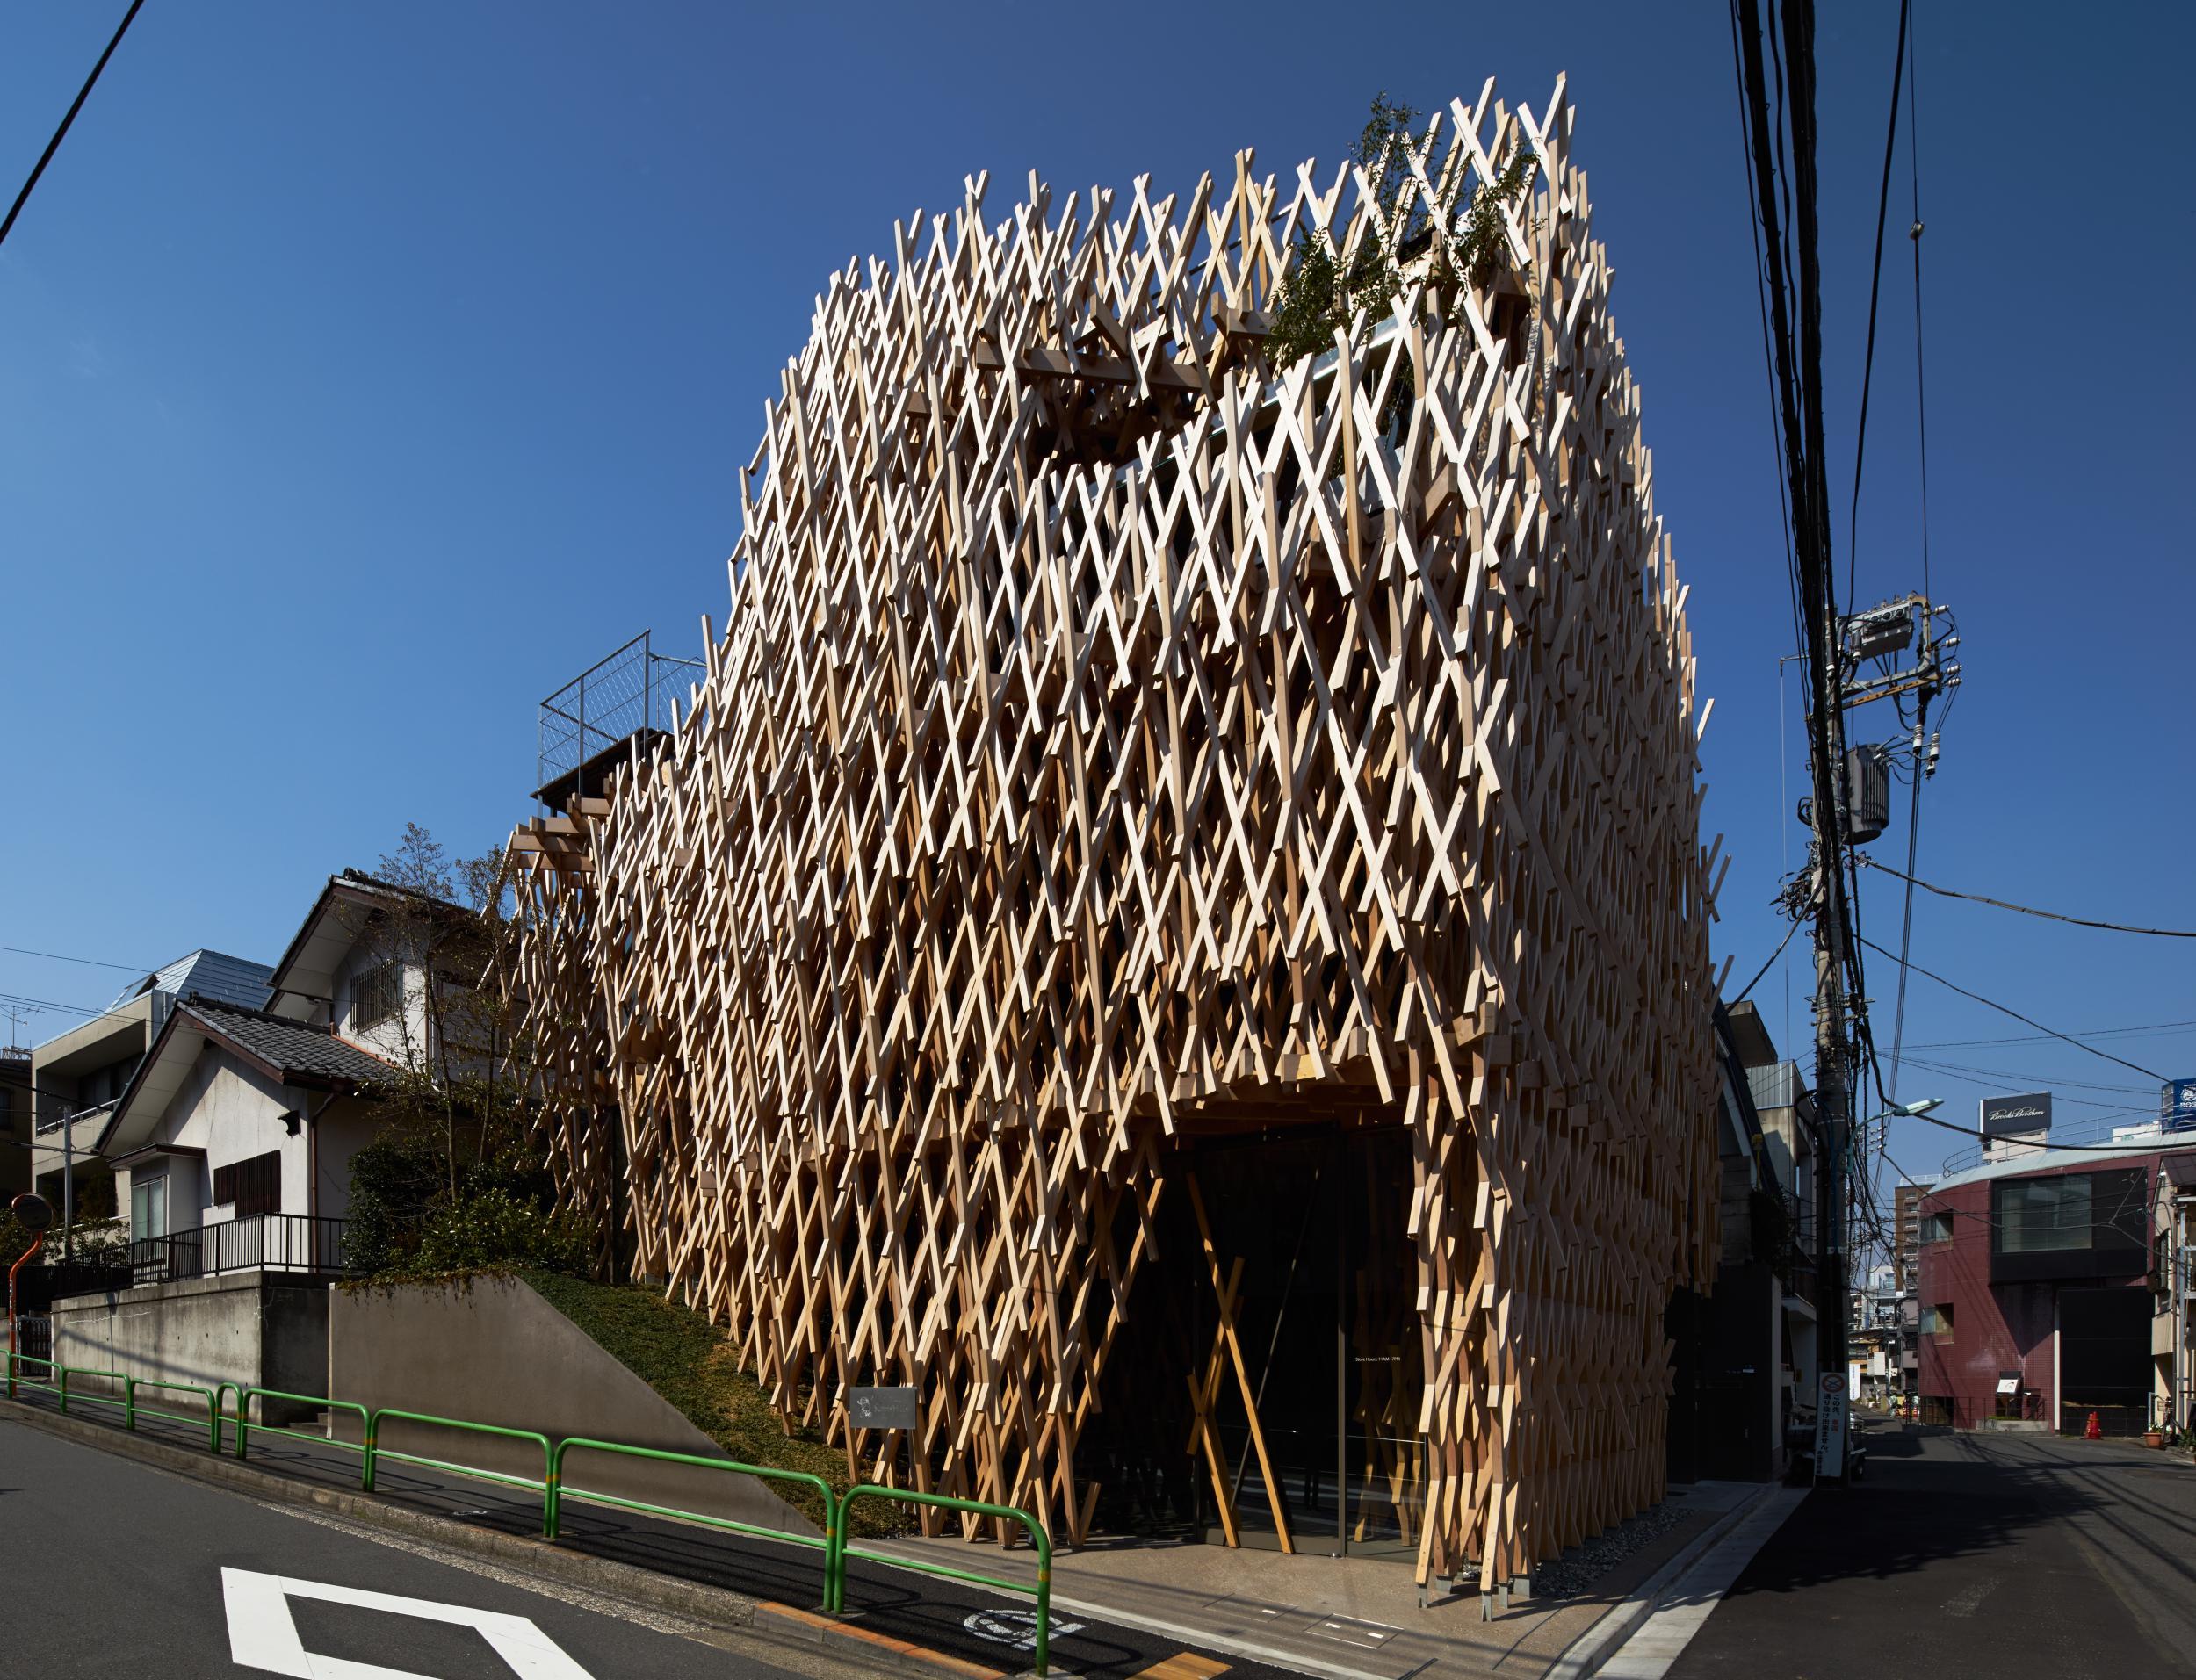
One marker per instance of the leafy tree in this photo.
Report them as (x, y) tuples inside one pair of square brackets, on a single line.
[(1318, 295), (452, 1182)]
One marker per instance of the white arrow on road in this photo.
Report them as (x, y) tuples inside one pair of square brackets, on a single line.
[(263, 1635)]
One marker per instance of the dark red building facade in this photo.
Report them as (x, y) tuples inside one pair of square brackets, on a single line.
[(2036, 1290)]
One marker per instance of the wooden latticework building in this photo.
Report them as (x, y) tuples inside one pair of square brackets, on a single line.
[(1118, 745)]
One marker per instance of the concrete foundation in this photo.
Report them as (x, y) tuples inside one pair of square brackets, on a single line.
[(266, 1329), (491, 1351)]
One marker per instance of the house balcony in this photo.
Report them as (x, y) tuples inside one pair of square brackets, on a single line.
[(263, 1241)]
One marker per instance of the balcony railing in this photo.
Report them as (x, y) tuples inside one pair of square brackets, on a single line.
[(268, 1241)]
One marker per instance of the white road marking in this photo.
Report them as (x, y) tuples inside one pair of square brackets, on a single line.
[(263, 1635), (578, 1597), (1015, 1627)]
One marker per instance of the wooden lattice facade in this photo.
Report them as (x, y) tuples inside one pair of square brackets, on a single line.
[(1114, 740)]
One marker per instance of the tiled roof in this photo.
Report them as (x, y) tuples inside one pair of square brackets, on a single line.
[(291, 1046)]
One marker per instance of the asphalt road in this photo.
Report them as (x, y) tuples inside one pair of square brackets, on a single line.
[(1971, 1556), (91, 1521), (113, 1568)]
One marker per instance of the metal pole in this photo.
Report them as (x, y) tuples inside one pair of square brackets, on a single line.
[(1832, 1049), (67, 1188), (1341, 1345), (22, 1260)]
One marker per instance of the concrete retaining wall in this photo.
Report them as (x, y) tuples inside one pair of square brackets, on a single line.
[(265, 1329), (493, 1351)]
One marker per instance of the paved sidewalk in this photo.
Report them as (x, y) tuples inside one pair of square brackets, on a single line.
[(1353, 1618)]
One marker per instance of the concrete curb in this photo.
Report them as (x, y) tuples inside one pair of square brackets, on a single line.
[(759, 1619), (1586, 1655)]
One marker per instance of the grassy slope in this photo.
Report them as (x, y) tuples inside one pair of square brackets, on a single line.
[(685, 1359)]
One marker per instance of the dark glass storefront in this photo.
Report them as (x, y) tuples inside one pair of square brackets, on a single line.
[(1290, 1303)]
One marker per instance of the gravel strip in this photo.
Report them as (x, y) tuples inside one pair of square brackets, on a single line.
[(1584, 1564)]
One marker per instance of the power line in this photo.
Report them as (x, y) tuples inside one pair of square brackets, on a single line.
[(1867, 360), (2031, 1038), (2131, 1146), (1765, 967), (47, 1003), (2028, 910), (88, 962), (2025, 1019), (1906, 922), (1997, 1079), (1914, 235), (53, 145)]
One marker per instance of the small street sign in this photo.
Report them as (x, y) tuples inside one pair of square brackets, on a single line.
[(881, 1407)]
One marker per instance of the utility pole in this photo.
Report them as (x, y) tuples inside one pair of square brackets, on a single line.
[(1866, 659), (1833, 1046)]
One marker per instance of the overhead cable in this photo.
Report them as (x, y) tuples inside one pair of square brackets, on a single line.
[(2155, 1027), (2028, 910), (1765, 967), (88, 962), (1875, 286), (53, 145), (2026, 1020)]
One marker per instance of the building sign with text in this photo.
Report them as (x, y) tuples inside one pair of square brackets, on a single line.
[(2177, 1105), (2016, 1116)]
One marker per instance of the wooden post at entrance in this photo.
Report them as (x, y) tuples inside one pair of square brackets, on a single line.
[(1224, 1335)]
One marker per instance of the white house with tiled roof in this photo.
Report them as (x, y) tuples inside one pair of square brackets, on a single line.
[(236, 1133)]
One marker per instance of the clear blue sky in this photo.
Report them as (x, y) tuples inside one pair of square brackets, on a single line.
[(366, 371)]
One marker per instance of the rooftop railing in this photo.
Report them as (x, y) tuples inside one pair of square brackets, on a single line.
[(2137, 1135)]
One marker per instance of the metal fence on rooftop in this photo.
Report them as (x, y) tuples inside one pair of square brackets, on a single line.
[(630, 689)]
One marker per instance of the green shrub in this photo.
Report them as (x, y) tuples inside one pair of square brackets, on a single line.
[(495, 1226), (407, 1218)]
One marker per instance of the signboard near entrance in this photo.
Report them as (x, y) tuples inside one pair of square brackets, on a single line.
[(881, 1407), (1832, 1415)]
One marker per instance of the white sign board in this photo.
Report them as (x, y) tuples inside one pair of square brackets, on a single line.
[(1830, 1418)]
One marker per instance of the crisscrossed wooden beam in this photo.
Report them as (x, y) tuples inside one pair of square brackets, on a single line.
[(1111, 734)]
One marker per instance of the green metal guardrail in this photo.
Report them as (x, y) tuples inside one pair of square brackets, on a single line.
[(132, 1411), (68, 1371), (835, 1586), (221, 1389), (837, 1511), (18, 1360), (557, 1493), (376, 1452), (244, 1426)]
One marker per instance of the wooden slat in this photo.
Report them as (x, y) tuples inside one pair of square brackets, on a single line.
[(1113, 737)]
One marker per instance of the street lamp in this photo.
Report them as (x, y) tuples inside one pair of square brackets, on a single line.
[(1905, 1111), (1908, 1110)]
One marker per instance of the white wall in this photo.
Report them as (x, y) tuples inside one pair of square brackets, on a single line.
[(233, 1112), (341, 1129), (402, 1038)]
